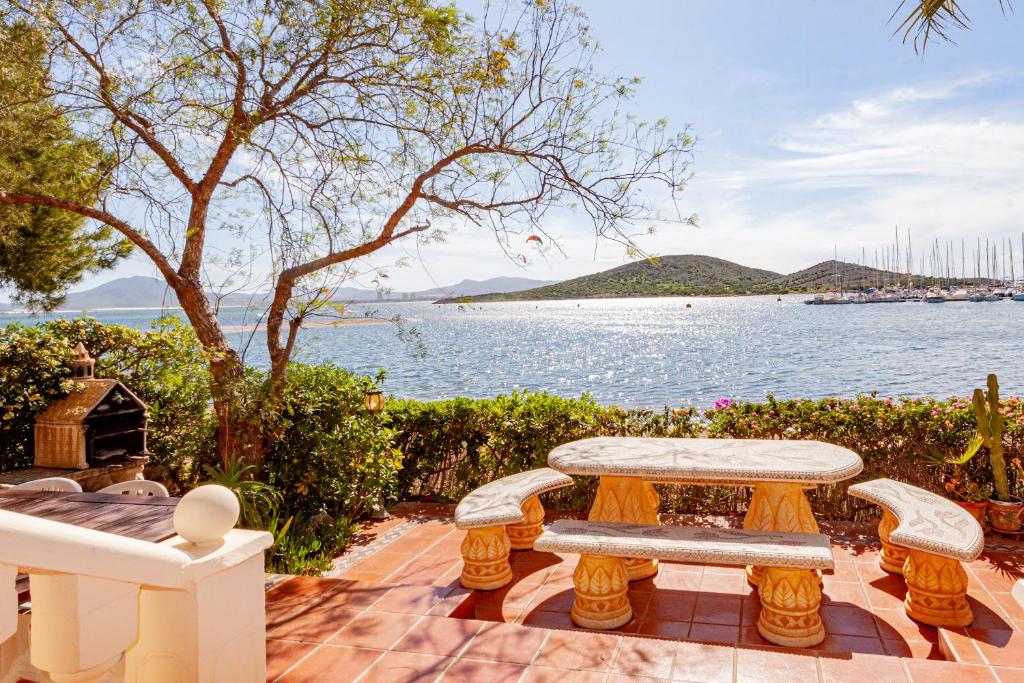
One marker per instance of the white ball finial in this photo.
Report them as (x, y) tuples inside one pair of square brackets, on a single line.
[(206, 514)]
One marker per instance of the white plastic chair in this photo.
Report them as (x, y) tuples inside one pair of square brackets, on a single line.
[(136, 487), (50, 484)]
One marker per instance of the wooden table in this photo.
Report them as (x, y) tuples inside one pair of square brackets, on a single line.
[(146, 518), (779, 471)]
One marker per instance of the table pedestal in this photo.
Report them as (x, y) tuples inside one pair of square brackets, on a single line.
[(778, 507), (631, 501)]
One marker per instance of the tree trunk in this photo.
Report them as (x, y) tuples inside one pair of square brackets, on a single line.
[(237, 435)]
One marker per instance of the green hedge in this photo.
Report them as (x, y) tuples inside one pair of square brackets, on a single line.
[(452, 447)]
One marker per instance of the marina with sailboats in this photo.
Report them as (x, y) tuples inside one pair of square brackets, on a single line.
[(989, 274)]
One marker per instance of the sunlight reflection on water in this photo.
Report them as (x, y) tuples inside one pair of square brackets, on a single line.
[(656, 351)]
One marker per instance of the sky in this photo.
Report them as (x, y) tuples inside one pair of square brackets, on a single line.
[(817, 130)]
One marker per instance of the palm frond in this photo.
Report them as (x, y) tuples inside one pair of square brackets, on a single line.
[(927, 17), (934, 17)]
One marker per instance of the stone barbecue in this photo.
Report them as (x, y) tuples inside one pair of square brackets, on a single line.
[(95, 435)]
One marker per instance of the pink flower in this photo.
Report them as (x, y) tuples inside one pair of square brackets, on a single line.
[(723, 402)]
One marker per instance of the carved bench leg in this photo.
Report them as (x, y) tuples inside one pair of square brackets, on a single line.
[(936, 590), (790, 599), (485, 558), (631, 501), (777, 507), (523, 535), (601, 584), (893, 556)]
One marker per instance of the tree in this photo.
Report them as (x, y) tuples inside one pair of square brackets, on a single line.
[(45, 250), (351, 124)]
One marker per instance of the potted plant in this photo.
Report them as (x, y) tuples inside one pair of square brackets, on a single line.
[(969, 495), (1005, 510)]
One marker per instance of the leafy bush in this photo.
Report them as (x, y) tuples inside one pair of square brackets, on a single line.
[(165, 367), (325, 452)]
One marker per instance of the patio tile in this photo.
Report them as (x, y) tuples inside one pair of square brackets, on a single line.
[(279, 612), (749, 635), (302, 589), (353, 594), (333, 665), (465, 670), (750, 611), (506, 643), (861, 668), (381, 562), (726, 584), (375, 630), (957, 646), (439, 636), (999, 647), (916, 649), (677, 580), (676, 630), (411, 599), (894, 624), (1009, 675), (644, 657), (551, 598), (768, 666), (315, 625), (544, 674), (843, 592), (929, 671), (713, 609), (848, 620), (714, 633), (672, 606), (577, 650), (424, 570), (406, 667), (844, 643), (282, 654), (555, 620), (703, 663)]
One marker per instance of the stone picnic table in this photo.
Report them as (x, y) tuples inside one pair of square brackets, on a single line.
[(779, 471)]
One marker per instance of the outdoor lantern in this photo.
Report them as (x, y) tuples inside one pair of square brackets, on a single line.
[(374, 401)]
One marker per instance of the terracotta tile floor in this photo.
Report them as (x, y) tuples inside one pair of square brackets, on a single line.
[(395, 612)]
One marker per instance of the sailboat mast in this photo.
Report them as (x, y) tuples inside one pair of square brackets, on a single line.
[(896, 262)]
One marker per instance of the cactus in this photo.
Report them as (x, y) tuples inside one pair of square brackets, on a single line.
[(990, 430)]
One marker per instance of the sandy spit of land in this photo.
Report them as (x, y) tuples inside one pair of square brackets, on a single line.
[(313, 323)]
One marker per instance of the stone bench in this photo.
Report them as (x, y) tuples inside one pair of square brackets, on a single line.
[(789, 589), (502, 515), (924, 538)]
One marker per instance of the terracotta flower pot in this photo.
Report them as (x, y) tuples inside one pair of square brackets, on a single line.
[(977, 511), (1006, 516)]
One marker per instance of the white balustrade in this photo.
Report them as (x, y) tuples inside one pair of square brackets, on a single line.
[(110, 608)]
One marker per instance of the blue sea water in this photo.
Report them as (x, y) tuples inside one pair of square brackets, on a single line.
[(653, 352)]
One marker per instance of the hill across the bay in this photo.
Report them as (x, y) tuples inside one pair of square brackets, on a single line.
[(695, 275)]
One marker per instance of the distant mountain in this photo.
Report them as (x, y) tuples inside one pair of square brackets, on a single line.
[(489, 286), (694, 275), (126, 292), (146, 292)]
